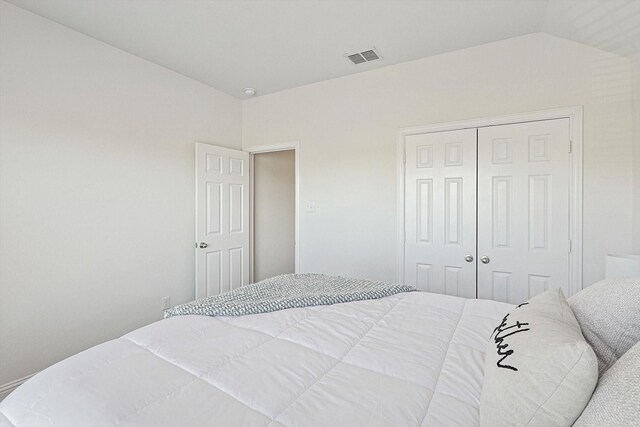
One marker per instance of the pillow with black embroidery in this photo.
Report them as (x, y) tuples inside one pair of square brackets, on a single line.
[(539, 370)]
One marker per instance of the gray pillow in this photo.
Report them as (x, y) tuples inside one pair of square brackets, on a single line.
[(609, 315), (616, 400)]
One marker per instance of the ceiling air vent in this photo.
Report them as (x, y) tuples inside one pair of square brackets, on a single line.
[(364, 56), (356, 58), (370, 55)]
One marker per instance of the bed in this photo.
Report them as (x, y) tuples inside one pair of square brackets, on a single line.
[(315, 350), (410, 359)]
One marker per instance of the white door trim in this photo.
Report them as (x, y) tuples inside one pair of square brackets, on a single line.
[(574, 114), (285, 146)]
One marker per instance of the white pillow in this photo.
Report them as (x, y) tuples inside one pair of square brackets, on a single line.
[(539, 370)]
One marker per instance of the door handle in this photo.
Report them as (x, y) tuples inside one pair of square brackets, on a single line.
[(203, 245), (468, 258), (485, 259)]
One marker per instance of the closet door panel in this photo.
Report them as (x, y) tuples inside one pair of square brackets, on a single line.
[(440, 212), (523, 209)]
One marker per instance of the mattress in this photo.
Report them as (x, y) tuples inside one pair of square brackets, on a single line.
[(412, 359)]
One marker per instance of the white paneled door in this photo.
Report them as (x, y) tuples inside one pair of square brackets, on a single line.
[(487, 210), (222, 219), (523, 209), (440, 209)]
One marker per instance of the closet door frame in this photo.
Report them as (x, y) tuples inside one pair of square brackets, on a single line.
[(574, 114)]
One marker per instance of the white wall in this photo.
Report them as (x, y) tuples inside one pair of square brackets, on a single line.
[(274, 194), (96, 186), (348, 131), (635, 69)]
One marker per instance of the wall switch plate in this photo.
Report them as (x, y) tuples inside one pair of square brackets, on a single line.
[(310, 207), (166, 303)]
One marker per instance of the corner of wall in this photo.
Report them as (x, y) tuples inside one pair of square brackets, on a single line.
[(635, 69)]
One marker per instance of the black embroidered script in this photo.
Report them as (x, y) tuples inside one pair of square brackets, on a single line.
[(502, 332)]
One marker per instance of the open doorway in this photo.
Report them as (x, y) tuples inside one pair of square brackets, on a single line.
[(273, 212)]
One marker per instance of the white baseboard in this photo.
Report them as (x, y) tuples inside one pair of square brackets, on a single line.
[(7, 388)]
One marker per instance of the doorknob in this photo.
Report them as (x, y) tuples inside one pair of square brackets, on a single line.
[(485, 259), (468, 258), (203, 245)]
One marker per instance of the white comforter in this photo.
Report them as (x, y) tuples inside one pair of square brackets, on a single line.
[(413, 359)]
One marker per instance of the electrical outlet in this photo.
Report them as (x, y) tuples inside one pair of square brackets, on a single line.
[(166, 303)]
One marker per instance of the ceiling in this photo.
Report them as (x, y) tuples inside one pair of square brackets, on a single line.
[(276, 45)]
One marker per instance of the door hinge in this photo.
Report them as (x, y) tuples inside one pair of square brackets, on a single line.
[(404, 157), (570, 145), (570, 246)]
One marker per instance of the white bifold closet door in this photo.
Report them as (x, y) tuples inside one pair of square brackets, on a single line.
[(440, 207), (523, 209)]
